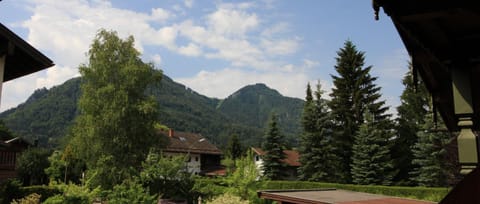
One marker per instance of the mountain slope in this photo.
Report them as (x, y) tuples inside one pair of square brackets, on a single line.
[(253, 105), (48, 114)]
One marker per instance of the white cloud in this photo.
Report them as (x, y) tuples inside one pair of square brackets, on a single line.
[(310, 63), (280, 47), (160, 15), (276, 29), (188, 3), (231, 32), (20, 89), (190, 50), (157, 59), (232, 22), (56, 75), (222, 83)]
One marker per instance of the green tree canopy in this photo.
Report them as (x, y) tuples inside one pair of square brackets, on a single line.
[(411, 118), (429, 156), (354, 92), (116, 117), (234, 147), (31, 164), (273, 145), (371, 161), (317, 154)]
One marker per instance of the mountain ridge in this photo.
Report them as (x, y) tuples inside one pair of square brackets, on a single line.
[(48, 113)]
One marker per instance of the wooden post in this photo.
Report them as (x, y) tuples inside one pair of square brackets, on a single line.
[(467, 140), (2, 71)]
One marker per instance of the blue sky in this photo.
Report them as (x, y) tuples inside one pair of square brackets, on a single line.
[(214, 47)]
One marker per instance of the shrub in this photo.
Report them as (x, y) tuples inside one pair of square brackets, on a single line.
[(10, 190), (130, 192), (30, 199), (227, 198), (209, 188), (43, 191), (72, 194)]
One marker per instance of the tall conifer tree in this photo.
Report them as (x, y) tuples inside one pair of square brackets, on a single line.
[(430, 159), (354, 92), (316, 151), (371, 161), (411, 116), (273, 145)]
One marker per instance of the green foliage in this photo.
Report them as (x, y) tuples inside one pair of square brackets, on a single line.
[(56, 169), (429, 153), (243, 181), (5, 132), (119, 131), (420, 193), (234, 147), (31, 164), (273, 145), (9, 190), (371, 162), (30, 199), (411, 114), (106, 173), (316, 150), (179, 107), (42, 190), (161, 173), (252, 106), (64, 167), (73, 194), (227, 198), (130, 192), (354, 92), (46, 115), (209, 188)]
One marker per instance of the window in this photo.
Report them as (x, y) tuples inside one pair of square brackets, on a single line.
[(257, 158), (196, 159)]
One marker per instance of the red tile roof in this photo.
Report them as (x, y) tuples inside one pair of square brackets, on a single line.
[(184, 142), (291, 156)]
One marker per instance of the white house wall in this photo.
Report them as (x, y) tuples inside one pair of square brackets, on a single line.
[(193, 161), (259, 164)]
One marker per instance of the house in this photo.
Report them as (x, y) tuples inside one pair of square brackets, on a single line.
[(291, 161), (10, 150), (203, 157)]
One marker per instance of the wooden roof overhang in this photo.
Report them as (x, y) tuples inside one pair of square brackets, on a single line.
[(22, 59), (440, 36)]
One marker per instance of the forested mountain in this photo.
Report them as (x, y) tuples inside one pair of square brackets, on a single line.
[(252, 105), (48, 114)]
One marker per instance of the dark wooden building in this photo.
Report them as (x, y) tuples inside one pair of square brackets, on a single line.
[(443, 39)]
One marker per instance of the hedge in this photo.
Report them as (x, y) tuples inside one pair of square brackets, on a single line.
[(44, 191), (420, 193)]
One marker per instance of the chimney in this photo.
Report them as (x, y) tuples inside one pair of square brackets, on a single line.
[(170, 132)]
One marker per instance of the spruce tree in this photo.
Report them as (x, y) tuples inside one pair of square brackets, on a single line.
[(411, 116), (316, 151), (273, 145), (234, 148), (431, 166), (354, 92), (371, 162)]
